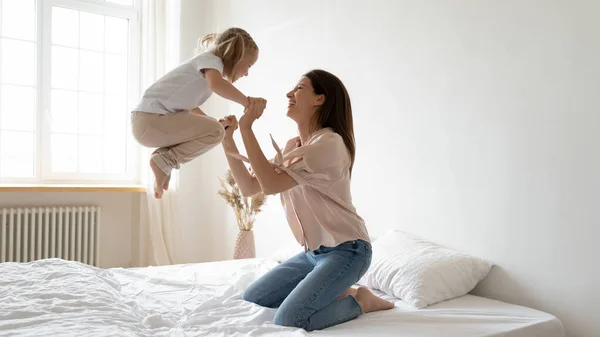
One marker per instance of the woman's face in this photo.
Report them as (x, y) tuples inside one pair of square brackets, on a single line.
[(303, 102)]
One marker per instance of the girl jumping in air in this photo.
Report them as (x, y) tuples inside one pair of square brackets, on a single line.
[(168, 116)]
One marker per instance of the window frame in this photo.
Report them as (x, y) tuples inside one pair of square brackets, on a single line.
[(37, 87), (42, 152)]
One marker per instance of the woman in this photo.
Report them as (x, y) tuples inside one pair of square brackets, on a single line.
[(313, 289)]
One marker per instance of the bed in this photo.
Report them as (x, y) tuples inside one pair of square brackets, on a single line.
[(55, 297)]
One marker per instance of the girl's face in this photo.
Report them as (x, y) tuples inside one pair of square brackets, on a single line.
[(243, 67)]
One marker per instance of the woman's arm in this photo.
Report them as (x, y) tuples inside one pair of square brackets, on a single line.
[(248, 184), (271, 181), (221, 87)]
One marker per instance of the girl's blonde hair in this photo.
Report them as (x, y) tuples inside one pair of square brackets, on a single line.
[(230, 46)]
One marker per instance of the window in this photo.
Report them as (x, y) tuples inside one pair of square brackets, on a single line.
[(68, 77)]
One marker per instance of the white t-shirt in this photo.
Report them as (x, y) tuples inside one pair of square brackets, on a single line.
[(182, 88)]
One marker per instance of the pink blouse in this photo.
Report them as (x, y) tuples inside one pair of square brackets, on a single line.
[(319, 209)]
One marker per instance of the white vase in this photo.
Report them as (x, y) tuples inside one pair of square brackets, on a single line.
[(244, 245)]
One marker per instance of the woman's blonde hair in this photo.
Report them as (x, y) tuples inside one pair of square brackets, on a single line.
[(230, 46)]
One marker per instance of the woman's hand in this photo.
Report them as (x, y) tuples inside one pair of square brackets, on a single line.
[(252, 113)]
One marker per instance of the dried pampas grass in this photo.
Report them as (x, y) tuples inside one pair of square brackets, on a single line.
[(245, 208)]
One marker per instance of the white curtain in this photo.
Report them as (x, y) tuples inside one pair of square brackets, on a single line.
[(159, 53)]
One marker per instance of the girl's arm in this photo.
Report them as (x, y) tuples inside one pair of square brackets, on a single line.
[(221, 87), (248, 184)]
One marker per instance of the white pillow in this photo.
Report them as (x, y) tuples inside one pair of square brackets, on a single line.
[(421, 272)]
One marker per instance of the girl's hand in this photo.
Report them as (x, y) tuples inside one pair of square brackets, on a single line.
[(230, 123), (253, 112)]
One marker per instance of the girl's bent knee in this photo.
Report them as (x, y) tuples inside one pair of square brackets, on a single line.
[(217, 132), (220, 133)]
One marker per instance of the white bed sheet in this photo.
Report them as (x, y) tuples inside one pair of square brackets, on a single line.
[(60, 298)]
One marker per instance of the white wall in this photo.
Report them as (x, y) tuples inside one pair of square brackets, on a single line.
[(119, 219), (477, 125), (207, 225)]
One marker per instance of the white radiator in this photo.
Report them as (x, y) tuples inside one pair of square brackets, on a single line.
[(33, 233)]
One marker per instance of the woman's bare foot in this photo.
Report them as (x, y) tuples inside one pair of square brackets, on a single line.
[(160, 179), (350, 291), (369, 302)]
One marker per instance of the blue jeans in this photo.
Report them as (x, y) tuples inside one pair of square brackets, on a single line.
[(305, 288)]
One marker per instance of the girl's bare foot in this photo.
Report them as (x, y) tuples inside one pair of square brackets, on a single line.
[(369, 302), (159, 179), (166, 185)]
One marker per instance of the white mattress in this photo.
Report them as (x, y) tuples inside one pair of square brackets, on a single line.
[(61, 298)]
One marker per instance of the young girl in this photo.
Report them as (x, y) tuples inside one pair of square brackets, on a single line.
[(168, 116)]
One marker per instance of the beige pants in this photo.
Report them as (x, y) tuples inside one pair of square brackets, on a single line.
[(179, 137)]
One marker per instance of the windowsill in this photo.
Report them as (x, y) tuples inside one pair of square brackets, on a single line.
[(71, 188)]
